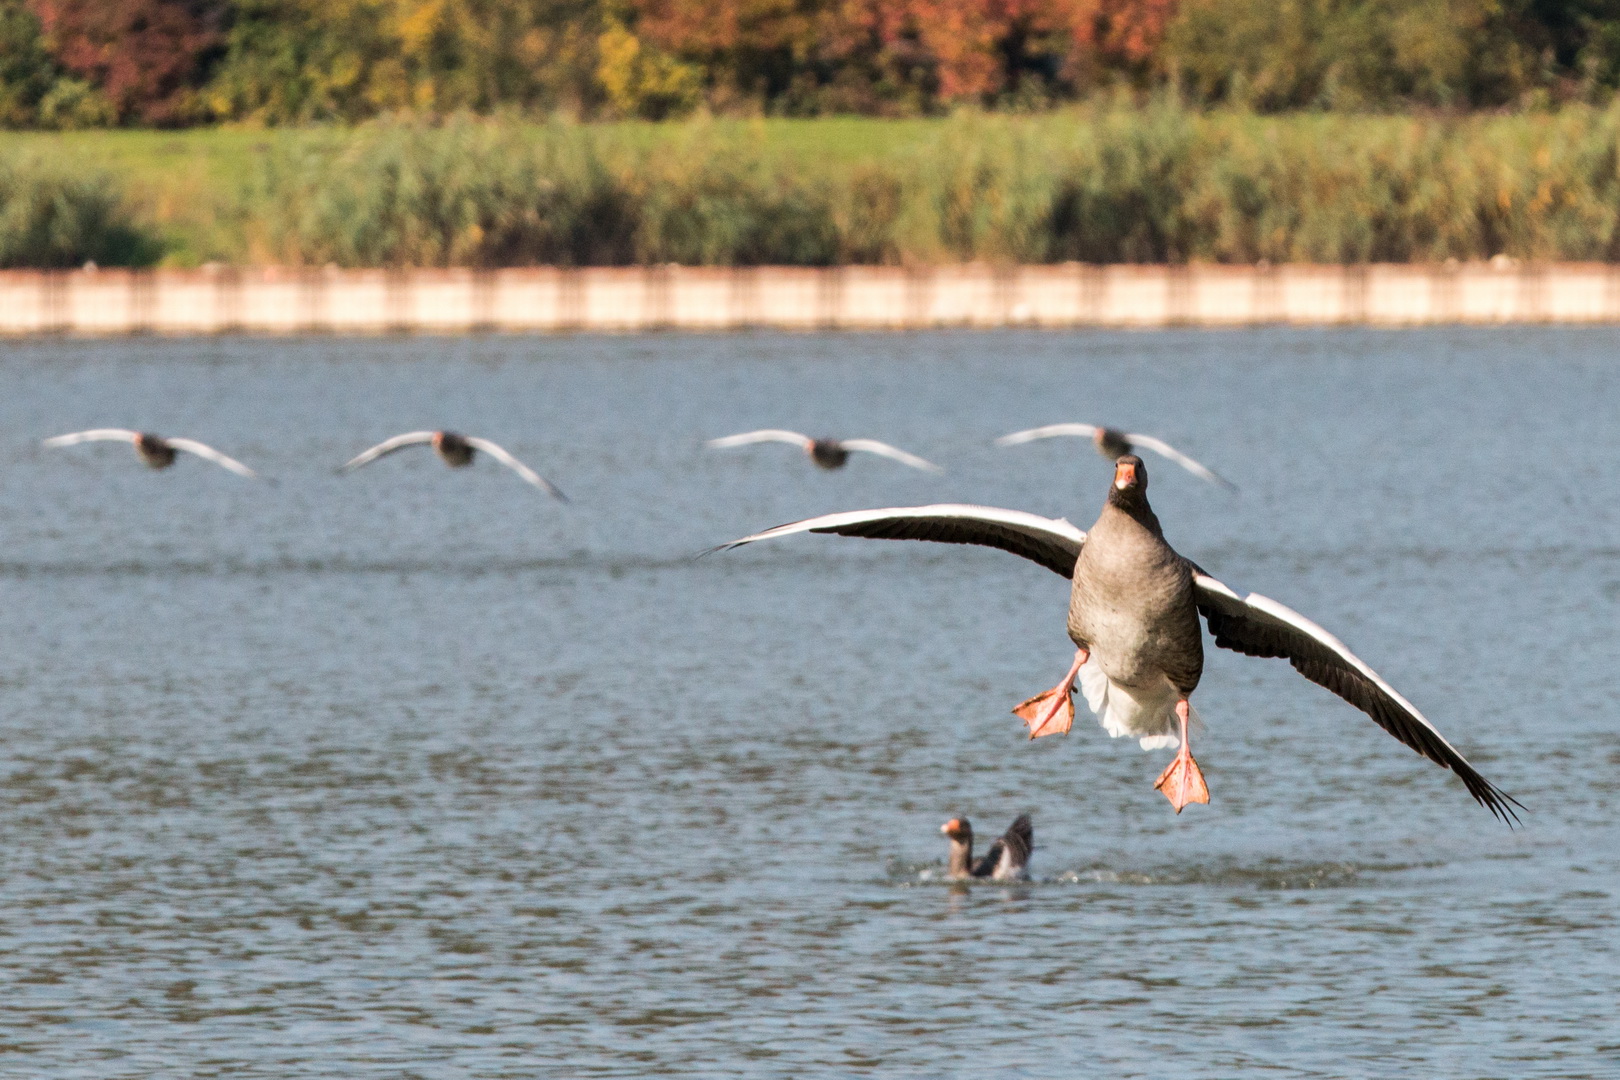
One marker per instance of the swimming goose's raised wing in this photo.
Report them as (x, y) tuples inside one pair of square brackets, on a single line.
[(872, 446), (106, 434), (1052, 542), (1084, 431), (1008, 857), (1164, 449), (208, 453), (764, 435), (388, 446), (1257, 625), (516, 466)]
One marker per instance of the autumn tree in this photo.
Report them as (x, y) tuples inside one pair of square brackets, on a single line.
[(148, 57), (937, 50)]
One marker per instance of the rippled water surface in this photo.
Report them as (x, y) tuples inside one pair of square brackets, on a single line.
[(416, 773)]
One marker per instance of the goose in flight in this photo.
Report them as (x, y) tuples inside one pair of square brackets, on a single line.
[(457, 451), (1114, 444), (154, 451), (1007, 859), (827, 453), (1133, 616)]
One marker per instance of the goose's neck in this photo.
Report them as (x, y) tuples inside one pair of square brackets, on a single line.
[(1134, 505), (961, 857)]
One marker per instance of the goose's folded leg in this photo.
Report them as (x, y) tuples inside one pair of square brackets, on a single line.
[(1182, 780), (1052, 713)]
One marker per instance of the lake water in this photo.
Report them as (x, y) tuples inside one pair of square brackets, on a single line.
[(415, 772)]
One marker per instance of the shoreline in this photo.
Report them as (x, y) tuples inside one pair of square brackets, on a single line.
[(276, 301)]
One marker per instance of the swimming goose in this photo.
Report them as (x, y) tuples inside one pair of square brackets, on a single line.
[(1007, 859), (827, 453), (457, 451), (1133, 616), (153, 450), (1114, 444)]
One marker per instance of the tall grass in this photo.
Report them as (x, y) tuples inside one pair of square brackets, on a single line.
[(480, 193), (1158, 183), (53, 214), (1105, 184)]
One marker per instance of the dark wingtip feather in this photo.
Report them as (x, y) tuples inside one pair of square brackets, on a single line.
[(1498, 802)]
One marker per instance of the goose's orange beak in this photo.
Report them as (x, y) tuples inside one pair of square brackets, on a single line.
[(1124, 474)]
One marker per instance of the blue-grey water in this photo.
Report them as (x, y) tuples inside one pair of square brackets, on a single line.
[(415, 772)]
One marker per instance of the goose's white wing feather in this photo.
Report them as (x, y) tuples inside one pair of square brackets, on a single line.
[(764, 435), (1084, 431), (872, 446), (500, 455), (94, 435), (1257, 625), (208, 453), (1052, 542), (1164, 449), (388, 446)]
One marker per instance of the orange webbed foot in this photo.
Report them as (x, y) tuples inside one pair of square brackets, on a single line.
[(1051, 713), (1183, 781)]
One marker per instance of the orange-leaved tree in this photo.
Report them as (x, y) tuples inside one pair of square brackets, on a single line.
[(965, 50)]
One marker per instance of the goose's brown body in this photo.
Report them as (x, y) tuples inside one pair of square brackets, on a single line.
[(828, 453), (1132, 605), (1112, 443), (153, 450), (453, 449)]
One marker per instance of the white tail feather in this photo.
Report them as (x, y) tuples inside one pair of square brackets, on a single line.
[(1121, 712)]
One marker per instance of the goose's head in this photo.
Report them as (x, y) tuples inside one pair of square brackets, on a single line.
[(1130, 475)]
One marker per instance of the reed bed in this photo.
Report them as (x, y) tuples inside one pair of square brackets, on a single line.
[(53, 214), (1157, 183)]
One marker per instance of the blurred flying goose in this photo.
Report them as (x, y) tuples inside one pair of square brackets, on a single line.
[(457, 451), (154, 451), (1007, 859), (1133, 615), (828, 453), (1114, 444)]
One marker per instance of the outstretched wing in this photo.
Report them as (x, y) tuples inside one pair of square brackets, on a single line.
[(1084, 431), (516, 466), (398, 442), (208, 453), (1052, 542), (1164, 449), (106, 434), (764, 435), (872, 446), (1257, 625)]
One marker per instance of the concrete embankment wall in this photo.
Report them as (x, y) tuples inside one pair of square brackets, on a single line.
[(280, 301)]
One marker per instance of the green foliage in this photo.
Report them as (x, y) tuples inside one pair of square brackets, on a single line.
[(291, 61), (296, 61), (1351, 54), (26, 68), (56, 217), (34, 90), (641, 80)]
